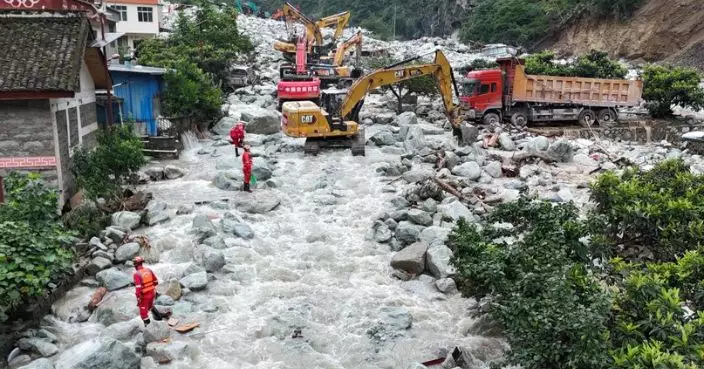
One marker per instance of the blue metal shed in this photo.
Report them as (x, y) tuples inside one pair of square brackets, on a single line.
[(140, 88)]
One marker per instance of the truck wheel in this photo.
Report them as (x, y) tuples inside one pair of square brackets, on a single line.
[(519, 119), (606, 117), (586, 118), (491, 118)]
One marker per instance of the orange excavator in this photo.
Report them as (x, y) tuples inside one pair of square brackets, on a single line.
[(313, 33)]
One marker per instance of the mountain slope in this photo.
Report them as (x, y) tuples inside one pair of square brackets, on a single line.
[(659, 30)]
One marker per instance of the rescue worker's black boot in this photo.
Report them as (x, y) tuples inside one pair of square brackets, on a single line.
[(246, 187), (146, 322), (237, 152)]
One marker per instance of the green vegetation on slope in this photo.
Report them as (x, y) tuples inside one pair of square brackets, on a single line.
[(621, 288)]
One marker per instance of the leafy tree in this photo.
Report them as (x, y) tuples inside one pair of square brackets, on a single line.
[(104, 170), (665, 86), (33, 244), (595, 64), (191, 92), (478, 64), (424, 85), (515, 22)]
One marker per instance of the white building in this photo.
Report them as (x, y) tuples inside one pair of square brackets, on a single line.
[(139, 20)]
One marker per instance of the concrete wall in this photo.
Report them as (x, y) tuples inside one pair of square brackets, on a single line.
[(75, 125)]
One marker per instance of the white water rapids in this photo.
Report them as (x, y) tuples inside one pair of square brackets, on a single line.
[(309, 267)]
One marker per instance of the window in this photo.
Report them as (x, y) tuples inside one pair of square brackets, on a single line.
[(484, 89), (493, 87), (144, 14), (122, 9)]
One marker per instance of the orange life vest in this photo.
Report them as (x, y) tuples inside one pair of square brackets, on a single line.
[(147, 280)]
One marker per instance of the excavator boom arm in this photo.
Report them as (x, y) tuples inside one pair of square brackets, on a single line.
[(313, 33), (355, 40), (440, 70), (340, 20)]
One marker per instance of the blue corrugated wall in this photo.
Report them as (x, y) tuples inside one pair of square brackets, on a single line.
[(138, 91)]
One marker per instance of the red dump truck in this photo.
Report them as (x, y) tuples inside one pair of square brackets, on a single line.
[(509, 93)]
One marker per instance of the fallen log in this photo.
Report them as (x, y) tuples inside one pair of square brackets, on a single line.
[(523, 156), (449, 189), (96, 298)]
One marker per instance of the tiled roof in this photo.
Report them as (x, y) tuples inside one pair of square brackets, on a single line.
[(42, 53)]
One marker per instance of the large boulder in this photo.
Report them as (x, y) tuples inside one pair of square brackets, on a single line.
[(203, 227), (173, 172), (166, 352), (120, 306), (127, 251), (257, 202), (97, 354), (438, 261), (407, 118), (456, 210), (469, 134), (417, 175), (411, 259), (213, 260), (261, 170), (156, 331), (229, 180), (113, 279), (126, 220), (38, 346), (261, 121), (470, 169), (383, 138), (420, 217), (561, 150), (238, 229), (414, 140), (434, 235), (41, 363), (98, 264), (407, 233), (124, 330), (506, 142), (224, 126), (196, 281)]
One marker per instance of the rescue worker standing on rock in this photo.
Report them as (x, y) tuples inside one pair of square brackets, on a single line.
[(145, 283), (237, 136), (247, 167)]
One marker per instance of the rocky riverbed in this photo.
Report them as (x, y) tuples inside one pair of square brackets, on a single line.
[(333, 261)]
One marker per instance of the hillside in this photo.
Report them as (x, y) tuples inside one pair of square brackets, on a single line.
[(659, 30)]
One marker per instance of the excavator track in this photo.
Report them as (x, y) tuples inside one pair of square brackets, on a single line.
[(356, 143)]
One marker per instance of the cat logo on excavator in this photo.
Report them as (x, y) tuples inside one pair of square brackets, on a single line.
[(399, 73), (309, 119)]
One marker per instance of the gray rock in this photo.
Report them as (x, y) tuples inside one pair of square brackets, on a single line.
[(261, 170), (399, 215), (216, 242), (396, 318), (470, 169), (156, 331), (506, 141), (407, 118), (224, 126), (195, 281), (407, 233), (451, 160), (493, 168), (262, 121), (257, 202), (124, 330), (446, 285), (95, 242), (155, 205), (38, 346), (118, 308), (154, 173), (203, 227), (113, 279), (416, 366), (383, 138), (238, 229), (456, 210), (541, 143), (171, 288), (417, 175), (96, 354), (115, 234), (184, 209), (565, 194), (41, 363), (429, 205), (561, 150), (164, 300), (157, 217), (415, 139), (516, 184), (98, 264), (173, 172), (127, 251), (469, 134), (392, 224), (420, 217), (411, 259), (434, 235), (166, 352), (213, 260), (228, 180), (382, 234), (126, 220), (438, 261)]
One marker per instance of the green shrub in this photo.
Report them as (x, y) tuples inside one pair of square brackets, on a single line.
[(478, 64), (33, 244), (191, 92), (104, 170), (667, 86), (86, 219), (540, 288), (660, 211), (424, 85), (595, 64)]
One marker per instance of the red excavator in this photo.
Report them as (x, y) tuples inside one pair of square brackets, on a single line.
[(299, 83)]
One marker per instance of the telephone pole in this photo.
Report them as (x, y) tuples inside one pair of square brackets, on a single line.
[(394, 22)]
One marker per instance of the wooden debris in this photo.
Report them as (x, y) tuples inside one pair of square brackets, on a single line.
[(96, 298), (187, 327), (524, 156)]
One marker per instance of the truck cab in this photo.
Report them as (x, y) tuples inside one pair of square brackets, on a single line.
[(482, 92)]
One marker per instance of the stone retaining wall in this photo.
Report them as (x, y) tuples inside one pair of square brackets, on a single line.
[(641, 132)]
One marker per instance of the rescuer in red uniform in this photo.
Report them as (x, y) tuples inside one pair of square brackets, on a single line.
[(145, 283), (247, 167), (237, 136)]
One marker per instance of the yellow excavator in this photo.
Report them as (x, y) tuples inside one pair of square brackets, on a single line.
[(313, 33), (335, 123)]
